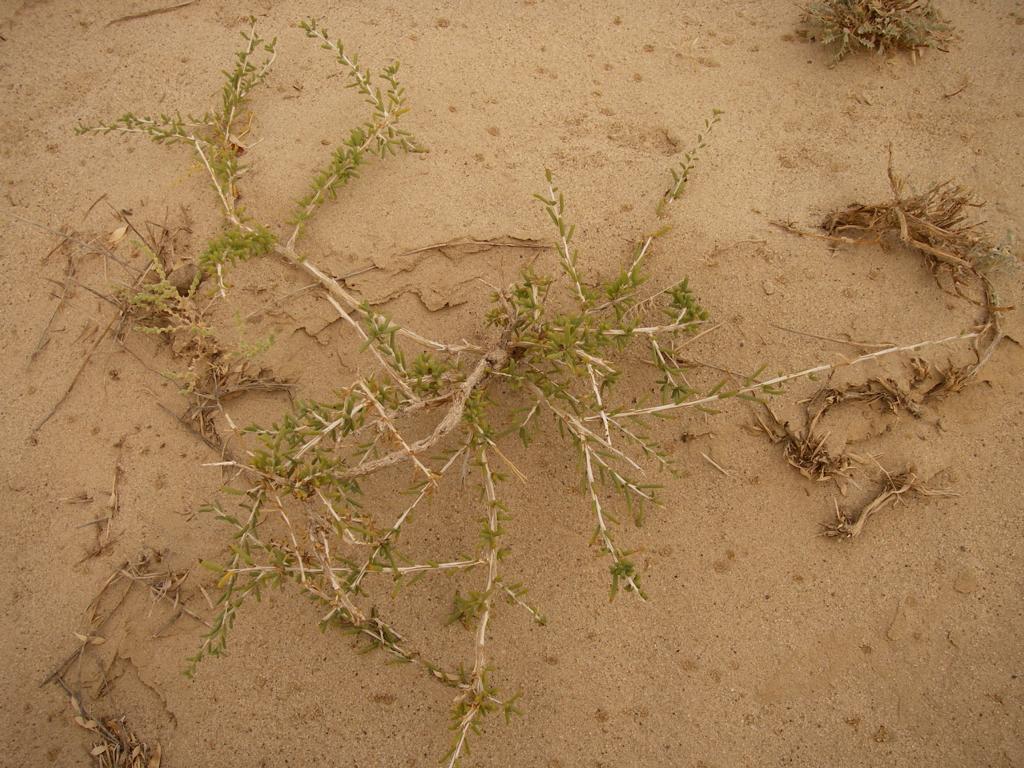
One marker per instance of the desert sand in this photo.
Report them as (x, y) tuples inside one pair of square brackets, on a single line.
[(763, 643)]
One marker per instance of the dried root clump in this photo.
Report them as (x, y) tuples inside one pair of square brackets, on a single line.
[(937, 224), (893, 489), (893, 396), (887, 392), (806, 450), (962, 257), (877, 25), (117, 745), (225, 378)]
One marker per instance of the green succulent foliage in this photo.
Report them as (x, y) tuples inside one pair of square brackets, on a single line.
[(622, 571), (154, 298), (380, 135), (159, 307), (302, 470), (215, 139), (215, 127), (683, 306), (425, 374), (236, 590), (486, 700), (240, 81), (162, 129), (681, 172), (235, 245)]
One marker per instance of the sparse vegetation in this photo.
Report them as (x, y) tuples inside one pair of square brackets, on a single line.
[(558, 345), (877, 25)]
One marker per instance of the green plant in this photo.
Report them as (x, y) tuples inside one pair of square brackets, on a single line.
[(877, 25), (554, 342), (159, 307)]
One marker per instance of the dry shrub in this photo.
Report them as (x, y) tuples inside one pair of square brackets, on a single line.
[(877, 25)]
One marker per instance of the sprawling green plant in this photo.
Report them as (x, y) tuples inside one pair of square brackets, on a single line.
[(877, 25), (555, 339)]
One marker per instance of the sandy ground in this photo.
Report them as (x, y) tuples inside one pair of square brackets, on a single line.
[(763, 643)]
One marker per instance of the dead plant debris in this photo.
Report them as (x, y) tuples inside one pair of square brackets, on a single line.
[(807, 451), (116, 743), (876, 25), (938, 225), (893, 489), (165, 585)]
